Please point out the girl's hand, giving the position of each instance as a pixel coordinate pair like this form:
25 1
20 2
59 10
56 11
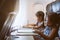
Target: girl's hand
37 31
34 27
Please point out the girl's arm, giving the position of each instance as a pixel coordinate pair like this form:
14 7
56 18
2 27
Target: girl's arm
50 36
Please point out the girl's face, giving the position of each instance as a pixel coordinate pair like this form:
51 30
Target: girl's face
46 20
39 18
49 22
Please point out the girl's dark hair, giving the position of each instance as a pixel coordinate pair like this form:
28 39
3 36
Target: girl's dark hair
59 18
40 13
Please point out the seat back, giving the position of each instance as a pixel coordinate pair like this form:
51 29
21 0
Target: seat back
7 27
